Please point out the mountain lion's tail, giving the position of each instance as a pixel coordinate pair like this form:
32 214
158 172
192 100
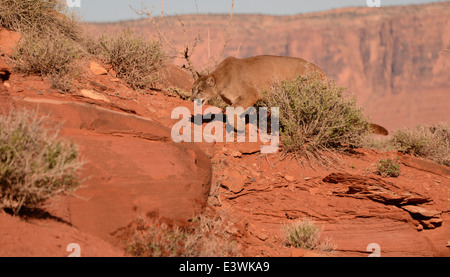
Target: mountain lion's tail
377 129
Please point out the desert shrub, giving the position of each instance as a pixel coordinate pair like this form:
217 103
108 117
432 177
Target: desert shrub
307 235
204 237
46 16
34 163
49 38
134 58
156 241
315 115
49 55
430 142
388 168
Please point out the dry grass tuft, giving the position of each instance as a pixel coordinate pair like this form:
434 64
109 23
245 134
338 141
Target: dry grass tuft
204 237
307 235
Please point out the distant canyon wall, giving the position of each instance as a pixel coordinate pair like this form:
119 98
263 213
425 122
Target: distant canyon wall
390 58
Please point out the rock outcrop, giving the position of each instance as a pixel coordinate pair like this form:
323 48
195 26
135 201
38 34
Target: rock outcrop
132 168
386 192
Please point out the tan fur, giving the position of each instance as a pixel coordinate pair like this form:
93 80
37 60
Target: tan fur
240 81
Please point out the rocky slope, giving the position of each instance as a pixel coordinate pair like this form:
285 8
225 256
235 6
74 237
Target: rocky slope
390 58
133 172
133 169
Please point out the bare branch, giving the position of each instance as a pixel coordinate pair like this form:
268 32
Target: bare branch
213 61
188 47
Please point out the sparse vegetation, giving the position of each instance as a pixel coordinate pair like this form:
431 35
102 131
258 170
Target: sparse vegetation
49 44
45 16
49 55
388 168
315 115
135 59
430 142
204 237
427 141
34 163
307 235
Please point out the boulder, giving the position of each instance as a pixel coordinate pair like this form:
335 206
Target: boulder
133 168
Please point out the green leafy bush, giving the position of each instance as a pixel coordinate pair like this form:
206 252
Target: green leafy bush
34 163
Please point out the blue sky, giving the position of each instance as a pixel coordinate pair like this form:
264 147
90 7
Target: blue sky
116 10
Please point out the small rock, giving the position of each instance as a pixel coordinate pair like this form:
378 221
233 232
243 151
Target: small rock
234 181
421 211
448 243
307 178
39 92
113 73
94 95
250 148
259 233
237 154
289 178
7 84
431 223
419 227
97 69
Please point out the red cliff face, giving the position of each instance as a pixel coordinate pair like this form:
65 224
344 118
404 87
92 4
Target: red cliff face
390 58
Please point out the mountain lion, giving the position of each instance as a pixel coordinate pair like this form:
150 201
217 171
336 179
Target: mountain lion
240 81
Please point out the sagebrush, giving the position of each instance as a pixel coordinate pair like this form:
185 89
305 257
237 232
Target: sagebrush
427 141
35 163
316 115
44 16
134 58
49 55
50 35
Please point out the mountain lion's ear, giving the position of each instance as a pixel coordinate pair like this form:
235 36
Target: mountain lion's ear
196 75
210 81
